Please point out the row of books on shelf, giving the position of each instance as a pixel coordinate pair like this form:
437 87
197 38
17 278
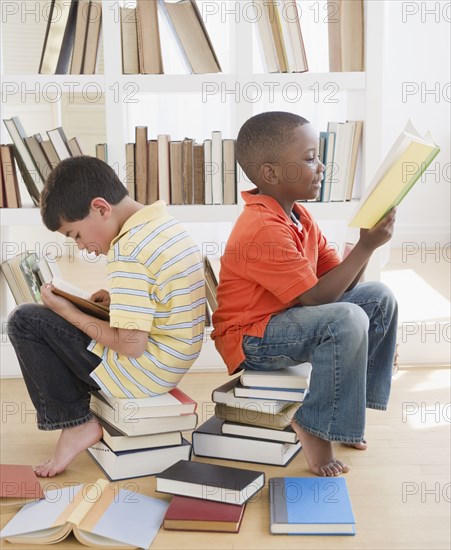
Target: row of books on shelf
72 38
73 32
182 171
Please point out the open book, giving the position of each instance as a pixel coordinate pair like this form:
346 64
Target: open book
80 298
404 164
99 514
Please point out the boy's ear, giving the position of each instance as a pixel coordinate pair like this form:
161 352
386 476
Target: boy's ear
268 174
102 207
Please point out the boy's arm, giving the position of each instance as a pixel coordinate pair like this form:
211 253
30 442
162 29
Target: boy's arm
131 343
345 275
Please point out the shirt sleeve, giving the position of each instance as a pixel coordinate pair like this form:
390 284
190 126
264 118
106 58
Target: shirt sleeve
132 295
273 261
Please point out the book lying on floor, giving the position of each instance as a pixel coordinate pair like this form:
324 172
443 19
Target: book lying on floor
225 395
310 506
296 377
169 404
139 462
18 486
80 298
195 514
209 441
286 435
277 421
141 426
210 482
403 166
99 514
117 441
253 392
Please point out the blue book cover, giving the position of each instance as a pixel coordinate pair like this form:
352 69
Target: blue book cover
310 506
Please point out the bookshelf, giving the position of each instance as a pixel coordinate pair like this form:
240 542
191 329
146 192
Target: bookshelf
124 98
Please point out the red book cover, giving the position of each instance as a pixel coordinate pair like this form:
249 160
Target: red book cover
18 486
203 515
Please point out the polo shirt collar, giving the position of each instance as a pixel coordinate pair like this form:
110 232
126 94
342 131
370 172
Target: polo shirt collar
143 215
254 197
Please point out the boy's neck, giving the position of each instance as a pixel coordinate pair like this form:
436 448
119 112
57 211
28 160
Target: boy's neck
125 209
286 205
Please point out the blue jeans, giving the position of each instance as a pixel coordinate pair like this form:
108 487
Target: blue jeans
55 365
350 344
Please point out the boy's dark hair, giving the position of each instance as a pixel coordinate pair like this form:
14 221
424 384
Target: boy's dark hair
71 186
263 137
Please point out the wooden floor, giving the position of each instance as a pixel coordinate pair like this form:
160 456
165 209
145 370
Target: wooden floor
399 488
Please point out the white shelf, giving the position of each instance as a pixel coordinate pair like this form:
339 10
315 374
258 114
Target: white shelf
62 82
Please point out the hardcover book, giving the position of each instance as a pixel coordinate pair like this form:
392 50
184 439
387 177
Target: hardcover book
99 514
139 462
310 506
80 298
225 395
210 482
19 485
296 377
403 166
195 514
169 404
209 441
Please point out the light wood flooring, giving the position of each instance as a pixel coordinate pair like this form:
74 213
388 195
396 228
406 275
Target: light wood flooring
399 488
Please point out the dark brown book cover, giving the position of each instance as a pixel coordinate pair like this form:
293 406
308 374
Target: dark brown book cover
199 173
195 514
188 182
87 306
212 475
12 194
152 171
141 164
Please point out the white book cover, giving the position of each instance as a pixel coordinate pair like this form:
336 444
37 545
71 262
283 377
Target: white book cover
164 171
208 172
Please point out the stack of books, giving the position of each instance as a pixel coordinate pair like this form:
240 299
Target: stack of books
141 43
142 436
251 422
207 497
181 172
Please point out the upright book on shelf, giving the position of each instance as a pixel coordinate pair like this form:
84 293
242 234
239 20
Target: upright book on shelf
148 31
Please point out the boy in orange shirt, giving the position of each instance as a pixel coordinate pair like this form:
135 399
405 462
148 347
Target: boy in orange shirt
285 297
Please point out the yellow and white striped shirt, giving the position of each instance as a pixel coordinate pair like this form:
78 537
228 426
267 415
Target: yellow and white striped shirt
156 285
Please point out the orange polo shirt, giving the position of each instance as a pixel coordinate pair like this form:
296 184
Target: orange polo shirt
268 262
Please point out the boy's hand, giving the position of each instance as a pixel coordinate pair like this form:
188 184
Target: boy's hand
58 304
102 297
381 233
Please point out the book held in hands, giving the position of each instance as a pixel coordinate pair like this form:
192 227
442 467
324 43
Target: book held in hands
403 166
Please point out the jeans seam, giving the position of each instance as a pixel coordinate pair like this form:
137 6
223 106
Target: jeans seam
65 423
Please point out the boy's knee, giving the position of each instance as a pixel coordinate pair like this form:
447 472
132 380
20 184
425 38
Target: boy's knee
20 316
353 319
384 295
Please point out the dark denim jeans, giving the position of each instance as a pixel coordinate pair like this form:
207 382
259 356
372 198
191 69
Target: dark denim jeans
55 365
350 344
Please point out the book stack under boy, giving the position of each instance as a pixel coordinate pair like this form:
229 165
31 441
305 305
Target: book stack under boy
252 417
207 497
142 436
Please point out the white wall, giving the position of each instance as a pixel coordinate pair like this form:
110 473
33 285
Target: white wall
418 61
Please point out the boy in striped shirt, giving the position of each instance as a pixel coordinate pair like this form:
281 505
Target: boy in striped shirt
156 301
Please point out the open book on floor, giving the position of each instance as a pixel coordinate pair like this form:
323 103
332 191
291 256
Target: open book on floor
99 514
403 166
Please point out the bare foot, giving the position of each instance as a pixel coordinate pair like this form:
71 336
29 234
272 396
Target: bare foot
361 445
71 443
318 453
